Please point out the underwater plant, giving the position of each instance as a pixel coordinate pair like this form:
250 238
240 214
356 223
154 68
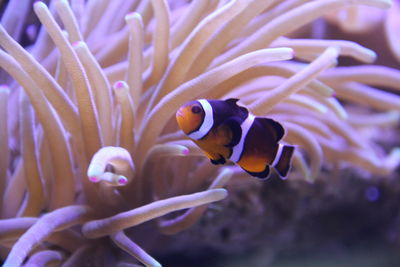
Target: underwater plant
93 153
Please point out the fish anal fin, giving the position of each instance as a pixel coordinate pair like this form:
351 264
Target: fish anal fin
234 125
215 159
274 126
261 175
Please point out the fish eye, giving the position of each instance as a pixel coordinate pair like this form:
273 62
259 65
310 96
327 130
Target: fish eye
196 109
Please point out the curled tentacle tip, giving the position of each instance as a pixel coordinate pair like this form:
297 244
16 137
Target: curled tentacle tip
287 52
122 180
94 171
223 193
39 3
133 15
94 179
185 151
112 166
78 44
371 54
120 85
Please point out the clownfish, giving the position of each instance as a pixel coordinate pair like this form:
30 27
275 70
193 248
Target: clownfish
224 130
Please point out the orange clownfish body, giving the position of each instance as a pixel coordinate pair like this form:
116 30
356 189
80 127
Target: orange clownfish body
225 130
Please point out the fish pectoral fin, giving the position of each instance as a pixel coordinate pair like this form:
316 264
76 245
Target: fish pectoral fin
273 127
215 159
234 125
221 160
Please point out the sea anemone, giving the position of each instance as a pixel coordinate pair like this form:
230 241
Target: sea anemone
87 117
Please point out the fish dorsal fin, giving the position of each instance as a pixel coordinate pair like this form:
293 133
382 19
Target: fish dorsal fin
272 126
232 101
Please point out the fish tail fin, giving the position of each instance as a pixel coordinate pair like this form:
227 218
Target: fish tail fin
284 158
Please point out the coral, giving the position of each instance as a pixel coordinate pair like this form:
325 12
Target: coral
95 155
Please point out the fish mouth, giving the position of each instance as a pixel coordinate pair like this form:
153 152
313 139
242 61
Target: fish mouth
180 118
